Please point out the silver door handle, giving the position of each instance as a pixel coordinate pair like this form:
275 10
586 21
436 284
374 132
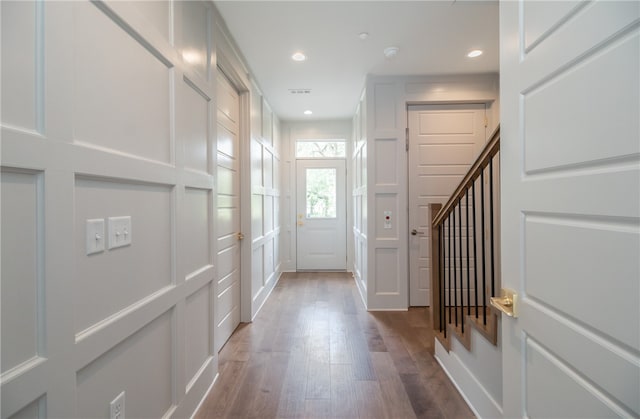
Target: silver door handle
416 232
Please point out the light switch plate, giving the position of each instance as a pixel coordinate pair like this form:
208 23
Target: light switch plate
95 237
116 407
120 233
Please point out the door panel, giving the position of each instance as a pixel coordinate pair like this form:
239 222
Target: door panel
228 212
571 208
443 142
321 215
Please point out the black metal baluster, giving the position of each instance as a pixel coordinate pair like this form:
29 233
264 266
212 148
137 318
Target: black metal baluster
475 246
493 276
460 256
441 275
449 260
455 268
468 239
484 276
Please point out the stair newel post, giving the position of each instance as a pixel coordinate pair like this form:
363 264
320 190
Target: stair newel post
436 271
491 226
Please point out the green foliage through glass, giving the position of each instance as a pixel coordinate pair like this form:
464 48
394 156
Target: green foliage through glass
321 149
321 193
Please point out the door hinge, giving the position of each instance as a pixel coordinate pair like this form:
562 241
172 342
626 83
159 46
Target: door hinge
486 122
406 138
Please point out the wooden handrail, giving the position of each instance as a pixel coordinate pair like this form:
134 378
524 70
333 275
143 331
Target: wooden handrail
452 316
490 150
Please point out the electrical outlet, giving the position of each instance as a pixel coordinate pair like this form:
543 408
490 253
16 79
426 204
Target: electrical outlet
117 407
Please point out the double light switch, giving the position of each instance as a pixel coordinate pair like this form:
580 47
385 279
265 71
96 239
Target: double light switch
119 233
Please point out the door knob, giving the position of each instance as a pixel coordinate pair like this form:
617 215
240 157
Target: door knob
240 236
415 232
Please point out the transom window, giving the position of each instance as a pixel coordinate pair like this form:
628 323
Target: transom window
321 149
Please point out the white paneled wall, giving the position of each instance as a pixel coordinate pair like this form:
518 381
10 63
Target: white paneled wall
359 169
384 121
114 115
265 153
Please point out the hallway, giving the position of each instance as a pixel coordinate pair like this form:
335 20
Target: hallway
313 351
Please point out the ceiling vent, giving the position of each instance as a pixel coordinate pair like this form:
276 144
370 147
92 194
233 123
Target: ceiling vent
299 91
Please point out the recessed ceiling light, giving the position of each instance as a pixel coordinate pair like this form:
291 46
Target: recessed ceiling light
475 53
298 56
363 35
391 52
308 112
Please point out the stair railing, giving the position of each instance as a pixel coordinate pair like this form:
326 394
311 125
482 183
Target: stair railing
465 252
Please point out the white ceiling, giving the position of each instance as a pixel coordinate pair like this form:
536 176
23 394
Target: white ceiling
433 36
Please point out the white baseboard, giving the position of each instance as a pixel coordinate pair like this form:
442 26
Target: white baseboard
387 309
268 293
206 393
362 291
481 403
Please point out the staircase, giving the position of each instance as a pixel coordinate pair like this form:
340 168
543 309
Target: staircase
465 253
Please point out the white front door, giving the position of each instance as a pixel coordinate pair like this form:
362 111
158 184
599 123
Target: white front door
228 212
321 215
570 159
444 140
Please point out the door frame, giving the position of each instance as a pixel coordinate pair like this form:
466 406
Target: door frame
408 106
242 85
320 131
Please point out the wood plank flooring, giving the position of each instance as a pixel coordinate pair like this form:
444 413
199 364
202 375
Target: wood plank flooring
314 352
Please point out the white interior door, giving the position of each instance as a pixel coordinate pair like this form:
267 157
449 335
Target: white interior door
570 147
444 140
321 215
228 212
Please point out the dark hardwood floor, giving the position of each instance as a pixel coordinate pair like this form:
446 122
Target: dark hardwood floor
314 352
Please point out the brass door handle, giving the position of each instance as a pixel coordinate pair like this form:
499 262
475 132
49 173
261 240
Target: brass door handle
507 303
240 236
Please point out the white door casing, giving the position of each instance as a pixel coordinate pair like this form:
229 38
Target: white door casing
321 241
444 140
570 148
228 211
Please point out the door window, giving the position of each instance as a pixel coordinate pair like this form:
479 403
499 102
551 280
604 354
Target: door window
321 193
